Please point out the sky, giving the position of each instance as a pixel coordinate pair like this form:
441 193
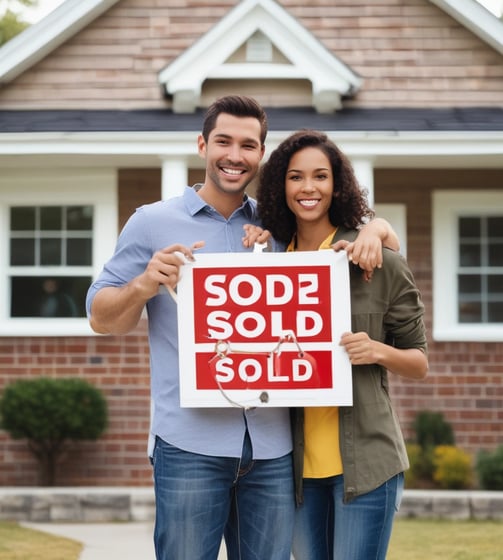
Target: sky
46 6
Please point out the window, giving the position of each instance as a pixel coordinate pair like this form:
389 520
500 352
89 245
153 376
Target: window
59 229
480 272
468 265
55 236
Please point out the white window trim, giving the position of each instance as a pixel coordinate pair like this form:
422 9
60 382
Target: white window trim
97 188
396 215
447 207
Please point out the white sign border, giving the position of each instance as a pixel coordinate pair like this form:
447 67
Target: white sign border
340 395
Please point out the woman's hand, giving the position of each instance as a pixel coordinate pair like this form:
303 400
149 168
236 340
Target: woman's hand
255 234
359 347
366 250
407 362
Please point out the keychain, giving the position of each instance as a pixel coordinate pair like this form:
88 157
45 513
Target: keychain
223 349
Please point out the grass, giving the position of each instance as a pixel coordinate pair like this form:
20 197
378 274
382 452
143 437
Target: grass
18 543
420 539
412 539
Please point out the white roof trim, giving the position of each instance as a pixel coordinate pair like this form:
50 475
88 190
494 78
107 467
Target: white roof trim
330 78
476 18
355 143
39 40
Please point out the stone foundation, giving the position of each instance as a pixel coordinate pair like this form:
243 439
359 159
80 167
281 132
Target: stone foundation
137 504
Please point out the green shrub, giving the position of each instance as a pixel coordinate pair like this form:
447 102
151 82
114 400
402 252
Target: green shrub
432 429
489 467
452 467
432 465
420 473
414 453
50 413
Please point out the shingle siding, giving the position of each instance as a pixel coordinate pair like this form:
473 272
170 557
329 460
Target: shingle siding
409 54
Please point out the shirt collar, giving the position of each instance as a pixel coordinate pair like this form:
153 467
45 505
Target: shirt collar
195 203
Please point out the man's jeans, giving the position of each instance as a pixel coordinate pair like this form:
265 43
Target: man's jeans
199 498
328 529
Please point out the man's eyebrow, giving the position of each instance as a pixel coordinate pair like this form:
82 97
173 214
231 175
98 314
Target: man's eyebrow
229 137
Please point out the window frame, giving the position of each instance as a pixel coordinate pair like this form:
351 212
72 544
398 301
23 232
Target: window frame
396 215
447 207
69 187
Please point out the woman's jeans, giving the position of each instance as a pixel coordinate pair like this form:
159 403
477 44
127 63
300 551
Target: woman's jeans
201 498
328 529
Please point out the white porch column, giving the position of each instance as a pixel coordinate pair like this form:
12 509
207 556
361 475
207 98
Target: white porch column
364 171
175 176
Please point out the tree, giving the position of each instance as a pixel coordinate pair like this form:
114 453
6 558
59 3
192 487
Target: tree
11 24
51 413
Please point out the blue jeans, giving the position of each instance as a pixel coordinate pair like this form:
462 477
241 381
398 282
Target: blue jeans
328 529
200 499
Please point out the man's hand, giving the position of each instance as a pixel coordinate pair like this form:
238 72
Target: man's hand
164 269
117 310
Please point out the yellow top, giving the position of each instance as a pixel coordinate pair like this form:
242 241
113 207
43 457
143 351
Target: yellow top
322 457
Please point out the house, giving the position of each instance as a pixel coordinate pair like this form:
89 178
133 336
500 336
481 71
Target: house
100 106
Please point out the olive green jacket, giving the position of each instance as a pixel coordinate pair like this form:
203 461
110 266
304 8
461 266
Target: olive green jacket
390 310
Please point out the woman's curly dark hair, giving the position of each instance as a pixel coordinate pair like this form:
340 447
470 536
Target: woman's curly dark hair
349 206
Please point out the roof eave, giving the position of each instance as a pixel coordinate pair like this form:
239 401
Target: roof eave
476 18
37 41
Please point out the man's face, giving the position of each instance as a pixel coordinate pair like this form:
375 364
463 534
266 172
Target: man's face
233 153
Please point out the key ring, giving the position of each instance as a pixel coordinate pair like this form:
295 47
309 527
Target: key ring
223 348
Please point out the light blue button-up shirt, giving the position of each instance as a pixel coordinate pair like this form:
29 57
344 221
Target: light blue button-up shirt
209 431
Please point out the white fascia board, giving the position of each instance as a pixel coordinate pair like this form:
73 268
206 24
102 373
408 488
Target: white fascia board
325 71
37 41
208 55
99 143
197 58
368 144
306 51
476 18
189 71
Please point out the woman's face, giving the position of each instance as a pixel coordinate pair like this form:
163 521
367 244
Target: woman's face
309 185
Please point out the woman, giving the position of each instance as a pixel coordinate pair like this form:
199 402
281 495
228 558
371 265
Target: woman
349 460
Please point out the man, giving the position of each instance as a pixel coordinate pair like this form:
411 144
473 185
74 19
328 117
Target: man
216 471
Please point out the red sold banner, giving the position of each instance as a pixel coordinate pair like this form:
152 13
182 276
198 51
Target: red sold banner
263 329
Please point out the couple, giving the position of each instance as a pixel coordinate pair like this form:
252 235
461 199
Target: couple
230 472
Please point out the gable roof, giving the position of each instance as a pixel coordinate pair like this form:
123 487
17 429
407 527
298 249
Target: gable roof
330 78
37 41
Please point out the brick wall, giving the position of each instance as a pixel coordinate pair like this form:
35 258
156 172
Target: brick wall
119 366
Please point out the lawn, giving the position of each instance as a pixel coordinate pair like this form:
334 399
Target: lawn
421 539
18 543
413 539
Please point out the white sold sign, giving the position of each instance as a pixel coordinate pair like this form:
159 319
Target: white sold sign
263 329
